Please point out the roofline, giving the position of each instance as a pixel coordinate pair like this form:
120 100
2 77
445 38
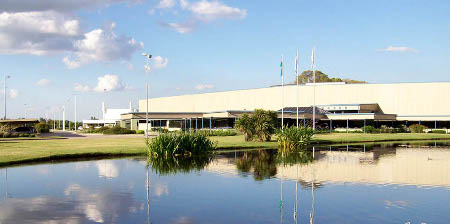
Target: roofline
235 90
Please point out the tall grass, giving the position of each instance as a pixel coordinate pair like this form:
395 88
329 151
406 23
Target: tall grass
218 132
294 138
171 165
180 144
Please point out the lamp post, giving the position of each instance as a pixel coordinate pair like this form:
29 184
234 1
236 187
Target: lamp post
75 102
147 71
4 91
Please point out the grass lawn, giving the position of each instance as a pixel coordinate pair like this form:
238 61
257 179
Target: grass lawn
20 151
23 151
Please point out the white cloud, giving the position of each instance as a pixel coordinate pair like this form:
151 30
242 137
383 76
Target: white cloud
204 12
185 27
59 5
102 45
37 33
211 10
204 86
81 87
43 82
399 49
13 93
160 62
110 83
166 4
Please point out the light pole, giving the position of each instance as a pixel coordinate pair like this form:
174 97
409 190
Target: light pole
4 91
147 70
75 102
104 107
25 105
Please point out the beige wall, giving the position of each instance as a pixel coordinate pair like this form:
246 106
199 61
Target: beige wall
401 99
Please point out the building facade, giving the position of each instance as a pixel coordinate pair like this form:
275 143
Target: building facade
344 105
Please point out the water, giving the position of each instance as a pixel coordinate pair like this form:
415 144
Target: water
378 184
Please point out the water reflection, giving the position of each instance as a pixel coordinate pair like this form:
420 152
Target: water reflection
341 184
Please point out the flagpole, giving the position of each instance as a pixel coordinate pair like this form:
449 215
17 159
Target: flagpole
282 94
314 90
296 77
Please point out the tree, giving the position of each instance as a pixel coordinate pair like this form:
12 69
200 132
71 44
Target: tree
261 124
245 124
308 77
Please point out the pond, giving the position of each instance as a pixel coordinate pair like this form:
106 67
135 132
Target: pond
390 183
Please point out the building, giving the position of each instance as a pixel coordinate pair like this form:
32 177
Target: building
339 105
110 117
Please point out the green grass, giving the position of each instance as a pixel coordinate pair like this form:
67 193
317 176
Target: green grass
230 142
21 151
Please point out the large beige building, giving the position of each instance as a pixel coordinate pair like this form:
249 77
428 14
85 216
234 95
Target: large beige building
340 105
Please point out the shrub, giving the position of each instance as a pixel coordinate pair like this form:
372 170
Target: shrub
1 134
161 130
371 129
261 124
7 135
25 135
32 135
141 132
403 128
218 132
42 127
15 135
180 143
417 128
293 138
118 131
101 129
438 132
21 135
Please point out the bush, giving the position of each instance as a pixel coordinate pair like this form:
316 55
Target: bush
261 124
371 129
180 143
32 135
7 135
218 132
1 134
21 135
118 131
42 127
141 132
438 132
293 138
15 135
417 128
161 130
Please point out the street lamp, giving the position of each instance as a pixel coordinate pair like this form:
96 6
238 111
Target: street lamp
147 70
4 91
75 102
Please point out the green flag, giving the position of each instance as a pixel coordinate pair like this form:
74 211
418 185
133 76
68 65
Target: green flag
281 66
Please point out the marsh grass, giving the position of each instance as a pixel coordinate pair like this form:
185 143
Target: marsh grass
180 144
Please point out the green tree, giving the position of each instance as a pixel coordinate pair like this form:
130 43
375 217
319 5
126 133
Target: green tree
308 77
245 125
265 123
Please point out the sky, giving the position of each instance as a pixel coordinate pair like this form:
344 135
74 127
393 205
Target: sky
54 50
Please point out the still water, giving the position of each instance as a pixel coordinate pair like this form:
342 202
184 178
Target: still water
346 184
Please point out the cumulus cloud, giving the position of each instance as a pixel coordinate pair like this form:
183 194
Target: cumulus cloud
109 83
43 82
160 62
13 93
205 12
37 33
102 45
166 4
50 27
59 5
204 86
81 87
399 49
211 10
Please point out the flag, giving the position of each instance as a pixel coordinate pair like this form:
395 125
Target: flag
281 66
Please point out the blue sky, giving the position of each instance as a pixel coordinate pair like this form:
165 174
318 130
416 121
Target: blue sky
54 50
